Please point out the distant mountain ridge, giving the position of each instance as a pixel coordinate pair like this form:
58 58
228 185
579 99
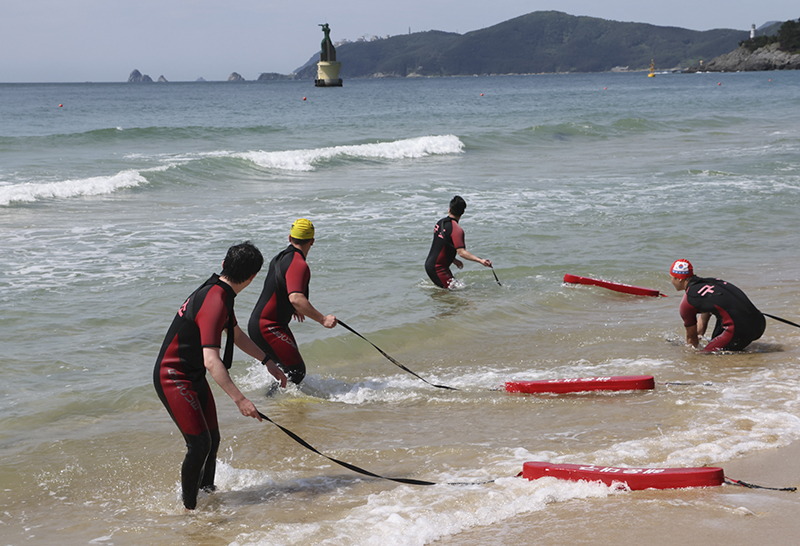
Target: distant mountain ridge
539 42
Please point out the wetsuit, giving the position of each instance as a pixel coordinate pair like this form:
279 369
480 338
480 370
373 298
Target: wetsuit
269 321
180 379
448 237
738 322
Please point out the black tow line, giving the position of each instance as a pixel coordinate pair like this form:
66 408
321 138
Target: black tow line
740 483
495 276
782 320
396 363
354 468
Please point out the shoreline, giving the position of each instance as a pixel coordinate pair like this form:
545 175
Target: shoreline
729 514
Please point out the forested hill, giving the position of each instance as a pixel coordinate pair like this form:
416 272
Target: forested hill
540 42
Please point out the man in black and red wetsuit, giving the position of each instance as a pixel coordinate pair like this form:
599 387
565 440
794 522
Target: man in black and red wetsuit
191 347
285 294
738 322
448 240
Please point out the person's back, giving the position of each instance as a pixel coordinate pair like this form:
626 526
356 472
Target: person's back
287 272
736 315
443 251
448 240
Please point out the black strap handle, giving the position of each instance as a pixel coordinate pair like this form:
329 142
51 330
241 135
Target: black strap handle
396 363
782 320
740 483
353 467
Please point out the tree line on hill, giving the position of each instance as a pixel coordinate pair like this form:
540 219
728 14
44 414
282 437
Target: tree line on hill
788 38
539 42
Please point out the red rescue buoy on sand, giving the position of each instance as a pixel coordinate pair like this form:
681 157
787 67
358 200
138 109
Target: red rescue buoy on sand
616 286
634 478
583 384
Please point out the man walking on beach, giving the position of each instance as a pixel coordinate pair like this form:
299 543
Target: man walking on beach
738 322
448 240
191 347
285 294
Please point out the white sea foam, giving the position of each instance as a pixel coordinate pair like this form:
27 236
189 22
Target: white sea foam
416 516
96 185
305 160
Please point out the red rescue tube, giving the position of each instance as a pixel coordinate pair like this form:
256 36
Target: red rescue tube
634 478
619 287
582 384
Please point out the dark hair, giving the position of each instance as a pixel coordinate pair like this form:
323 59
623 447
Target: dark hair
458 205
242 262
300 242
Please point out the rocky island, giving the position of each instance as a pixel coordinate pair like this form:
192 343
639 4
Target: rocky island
778 52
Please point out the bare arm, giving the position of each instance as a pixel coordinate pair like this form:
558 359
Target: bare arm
691 336
467 255
702 323
216 368
303 307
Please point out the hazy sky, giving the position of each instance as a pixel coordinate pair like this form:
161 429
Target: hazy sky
104 40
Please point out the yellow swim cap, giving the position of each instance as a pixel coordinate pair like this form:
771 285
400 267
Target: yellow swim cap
302 229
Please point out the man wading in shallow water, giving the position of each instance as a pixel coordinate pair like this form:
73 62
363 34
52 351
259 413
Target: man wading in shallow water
285 294
448 240
191 347
738 323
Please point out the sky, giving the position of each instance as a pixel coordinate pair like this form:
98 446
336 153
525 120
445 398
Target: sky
183 40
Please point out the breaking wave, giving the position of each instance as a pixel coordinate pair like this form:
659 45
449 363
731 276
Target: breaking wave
306 160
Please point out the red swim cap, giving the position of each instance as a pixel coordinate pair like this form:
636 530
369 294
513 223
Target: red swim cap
681 269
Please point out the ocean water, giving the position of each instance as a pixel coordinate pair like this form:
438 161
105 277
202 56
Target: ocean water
117 201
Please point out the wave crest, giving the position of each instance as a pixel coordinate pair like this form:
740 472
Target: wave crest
306 160
96 185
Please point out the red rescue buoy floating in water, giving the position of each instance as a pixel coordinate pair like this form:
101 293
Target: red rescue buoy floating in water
583 384
616 286
634 478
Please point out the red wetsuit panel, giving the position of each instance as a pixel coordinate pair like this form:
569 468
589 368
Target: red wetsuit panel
288 273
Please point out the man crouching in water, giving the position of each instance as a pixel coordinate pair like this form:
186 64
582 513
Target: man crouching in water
739 322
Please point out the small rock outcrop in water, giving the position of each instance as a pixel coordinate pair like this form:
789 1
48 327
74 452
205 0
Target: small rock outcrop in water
742 59
162 79
274 76
138 77
235 77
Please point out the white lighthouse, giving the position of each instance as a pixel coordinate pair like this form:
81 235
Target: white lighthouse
752 31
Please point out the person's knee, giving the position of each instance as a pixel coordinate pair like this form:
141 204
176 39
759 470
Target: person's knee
199 446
